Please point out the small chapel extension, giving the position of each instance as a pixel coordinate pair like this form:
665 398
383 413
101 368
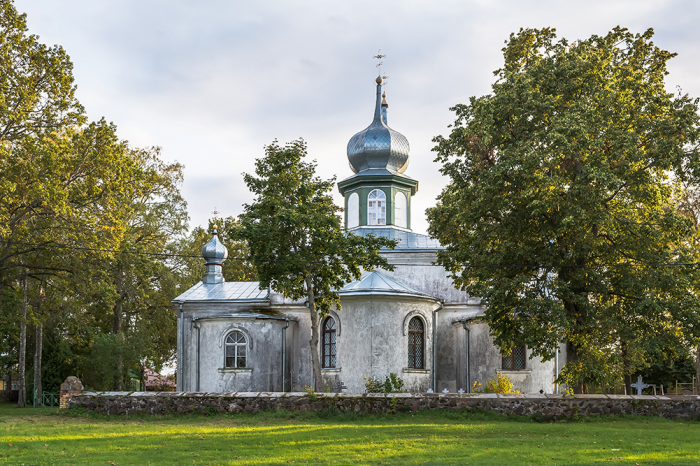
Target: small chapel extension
412 321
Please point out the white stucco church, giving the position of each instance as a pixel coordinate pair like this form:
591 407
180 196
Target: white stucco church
233 336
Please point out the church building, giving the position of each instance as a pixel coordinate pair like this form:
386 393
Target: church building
412 321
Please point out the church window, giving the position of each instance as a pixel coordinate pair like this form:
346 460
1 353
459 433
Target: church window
376 208
515 361
236 346
353 211
400 210
415 343
329 344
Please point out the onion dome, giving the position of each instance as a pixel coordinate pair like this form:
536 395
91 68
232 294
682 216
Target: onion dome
214 253
378 146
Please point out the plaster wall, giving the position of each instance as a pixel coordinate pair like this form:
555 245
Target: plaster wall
264 350
419 273
374 341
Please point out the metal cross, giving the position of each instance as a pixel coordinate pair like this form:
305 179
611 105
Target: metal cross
216 212
639 385
339 387
379 57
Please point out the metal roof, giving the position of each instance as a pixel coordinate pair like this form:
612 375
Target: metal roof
226 291
376 283
406 239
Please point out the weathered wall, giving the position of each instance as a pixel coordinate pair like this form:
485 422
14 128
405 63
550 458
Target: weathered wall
550 406
374 341
264 351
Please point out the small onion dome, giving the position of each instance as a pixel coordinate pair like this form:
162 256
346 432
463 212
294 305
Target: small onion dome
214 252
378 146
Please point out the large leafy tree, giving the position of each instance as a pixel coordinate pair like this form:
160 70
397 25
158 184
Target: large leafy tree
560 211
295 238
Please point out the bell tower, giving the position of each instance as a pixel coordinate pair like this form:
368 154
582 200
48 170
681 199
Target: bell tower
378 194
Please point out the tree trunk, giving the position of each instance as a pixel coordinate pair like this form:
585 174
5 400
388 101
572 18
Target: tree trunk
119 364
313 343
626 369
22 396
572 358
37 362
697 371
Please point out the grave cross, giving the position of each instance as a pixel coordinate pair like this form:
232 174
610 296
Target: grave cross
339 387
639 385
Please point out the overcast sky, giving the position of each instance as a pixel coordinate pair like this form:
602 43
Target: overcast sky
212 82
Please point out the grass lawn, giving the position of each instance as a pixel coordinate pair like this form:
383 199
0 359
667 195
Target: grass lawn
48 437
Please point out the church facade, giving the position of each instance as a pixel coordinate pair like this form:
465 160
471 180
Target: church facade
412 321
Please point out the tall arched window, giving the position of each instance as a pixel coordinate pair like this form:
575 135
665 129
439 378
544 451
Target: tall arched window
329 345
416 343
376 208
353 211
400 210
236 346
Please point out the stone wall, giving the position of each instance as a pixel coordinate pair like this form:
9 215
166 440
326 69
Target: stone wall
548 406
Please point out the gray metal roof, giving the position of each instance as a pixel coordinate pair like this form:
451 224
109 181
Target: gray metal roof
406 239
226 291
376 283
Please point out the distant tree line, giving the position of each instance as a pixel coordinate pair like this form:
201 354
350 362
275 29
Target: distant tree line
94 237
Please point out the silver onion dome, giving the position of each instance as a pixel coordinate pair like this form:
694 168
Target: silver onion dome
214 251
378 146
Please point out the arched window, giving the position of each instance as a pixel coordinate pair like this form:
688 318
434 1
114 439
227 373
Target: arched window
400 210
353 211
376 208
329 345
515 361
416 344
236 346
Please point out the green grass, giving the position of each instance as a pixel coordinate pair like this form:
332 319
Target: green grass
52 438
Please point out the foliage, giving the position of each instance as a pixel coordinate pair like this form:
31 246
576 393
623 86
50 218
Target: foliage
667 369
101 366
295 239
562 202
499 384
392 384
235 268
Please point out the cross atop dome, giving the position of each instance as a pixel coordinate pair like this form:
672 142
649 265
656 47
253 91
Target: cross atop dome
378 194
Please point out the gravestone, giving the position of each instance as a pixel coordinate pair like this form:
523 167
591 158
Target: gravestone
640 385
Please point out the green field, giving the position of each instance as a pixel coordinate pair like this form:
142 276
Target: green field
48 437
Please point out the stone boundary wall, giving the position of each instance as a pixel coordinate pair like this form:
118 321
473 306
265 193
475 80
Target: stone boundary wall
548 406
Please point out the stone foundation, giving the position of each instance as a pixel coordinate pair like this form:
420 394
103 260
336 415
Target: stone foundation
548 406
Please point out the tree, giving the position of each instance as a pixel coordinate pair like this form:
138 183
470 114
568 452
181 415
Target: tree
293 230
560 211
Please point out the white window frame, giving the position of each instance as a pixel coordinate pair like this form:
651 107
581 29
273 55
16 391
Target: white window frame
236 346
376 207
353 211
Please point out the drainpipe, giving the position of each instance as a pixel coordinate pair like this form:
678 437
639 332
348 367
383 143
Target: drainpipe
435 346
181 353
464 325
195 325
284 355
556 370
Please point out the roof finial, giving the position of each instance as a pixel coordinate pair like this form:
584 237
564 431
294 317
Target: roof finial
379 57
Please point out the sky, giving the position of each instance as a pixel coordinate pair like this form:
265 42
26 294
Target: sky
212 82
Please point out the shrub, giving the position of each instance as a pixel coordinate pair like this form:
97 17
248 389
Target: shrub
392 384
500 384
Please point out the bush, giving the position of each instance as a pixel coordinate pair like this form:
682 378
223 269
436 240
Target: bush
500 384
392 384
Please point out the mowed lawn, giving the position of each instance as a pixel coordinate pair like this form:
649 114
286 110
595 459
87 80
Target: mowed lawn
48 437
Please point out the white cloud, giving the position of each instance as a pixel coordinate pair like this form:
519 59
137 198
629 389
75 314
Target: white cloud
213 81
